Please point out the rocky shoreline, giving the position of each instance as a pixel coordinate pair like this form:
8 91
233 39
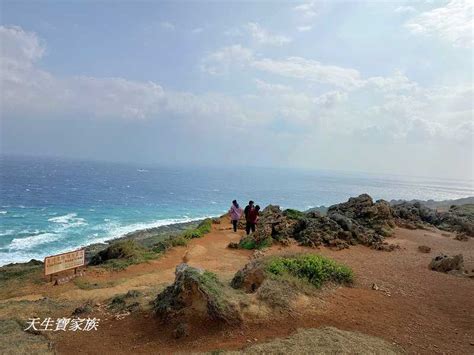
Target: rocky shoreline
145 237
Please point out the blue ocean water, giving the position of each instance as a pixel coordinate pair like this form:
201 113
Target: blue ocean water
51 205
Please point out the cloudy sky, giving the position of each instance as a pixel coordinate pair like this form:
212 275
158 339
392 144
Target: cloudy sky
379 87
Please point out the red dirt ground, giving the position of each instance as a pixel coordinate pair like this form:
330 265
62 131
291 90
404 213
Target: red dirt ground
421 310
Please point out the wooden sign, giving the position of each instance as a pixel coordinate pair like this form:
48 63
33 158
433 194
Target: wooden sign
65 261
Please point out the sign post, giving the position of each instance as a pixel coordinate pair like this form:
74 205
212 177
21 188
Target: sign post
66 261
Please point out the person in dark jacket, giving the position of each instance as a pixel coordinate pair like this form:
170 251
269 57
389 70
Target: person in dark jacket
251 216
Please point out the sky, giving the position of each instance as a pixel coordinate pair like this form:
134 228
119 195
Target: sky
377 87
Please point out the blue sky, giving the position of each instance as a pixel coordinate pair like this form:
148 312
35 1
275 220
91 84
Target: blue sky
380 87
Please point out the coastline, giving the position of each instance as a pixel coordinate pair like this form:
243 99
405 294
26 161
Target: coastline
146 237
149 236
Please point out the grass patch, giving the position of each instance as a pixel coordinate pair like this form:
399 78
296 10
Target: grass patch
203 228
21 342
121 254
87 285
247 243
183 238
180 241
293 214
315 269
251 243
276 293
20 271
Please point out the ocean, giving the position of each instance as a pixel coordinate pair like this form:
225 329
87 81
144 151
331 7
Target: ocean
49 205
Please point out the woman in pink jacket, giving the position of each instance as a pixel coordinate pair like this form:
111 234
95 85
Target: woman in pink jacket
235 214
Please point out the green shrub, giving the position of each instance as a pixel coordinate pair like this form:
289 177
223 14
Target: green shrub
121 254
21 271
293 214
203 228
179 241
247 243
316 269
123 249
162 246
251 243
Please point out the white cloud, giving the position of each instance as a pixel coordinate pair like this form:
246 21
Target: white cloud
263 36
453 23
375 109
310 70
197 30
167 26
220 61
405 9
307 10
330 99
304 28
19 48
272 88
28 91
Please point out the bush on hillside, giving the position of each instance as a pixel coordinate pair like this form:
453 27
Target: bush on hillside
315 269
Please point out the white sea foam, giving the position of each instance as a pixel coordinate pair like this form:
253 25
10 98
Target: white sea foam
21 249
32 241
18 256
63 219
69 220
7 232
3 212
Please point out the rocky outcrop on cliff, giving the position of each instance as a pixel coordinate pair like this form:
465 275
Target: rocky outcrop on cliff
195 294
314 230
364 221
360 220
273 223
458 219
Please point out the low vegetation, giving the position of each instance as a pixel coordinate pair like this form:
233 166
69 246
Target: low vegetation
250 243
21 342
183 238
203 228
278 280
293 214
123 253
20 271
315 269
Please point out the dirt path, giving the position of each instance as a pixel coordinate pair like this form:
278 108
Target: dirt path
421 310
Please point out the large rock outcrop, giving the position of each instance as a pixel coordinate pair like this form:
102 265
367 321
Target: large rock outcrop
195 294
364 221
274 223
314 230
445 263
458 219
250 277
360 220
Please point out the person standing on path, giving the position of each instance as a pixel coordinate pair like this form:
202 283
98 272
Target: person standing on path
235 214
251 215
